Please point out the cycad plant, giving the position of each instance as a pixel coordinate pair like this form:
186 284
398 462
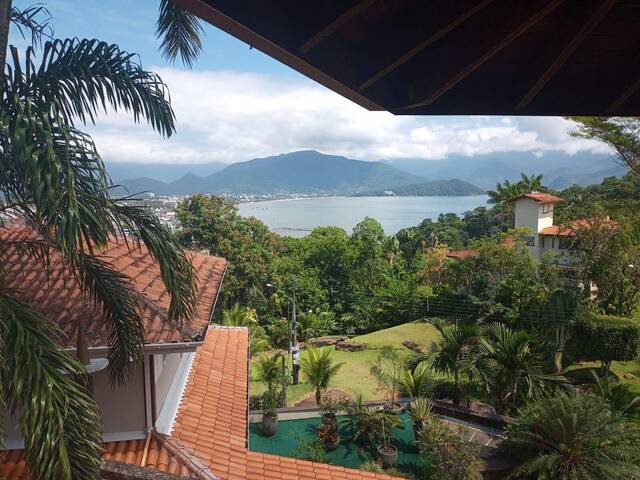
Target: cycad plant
514 366
53 180
417 383
574 436
319 369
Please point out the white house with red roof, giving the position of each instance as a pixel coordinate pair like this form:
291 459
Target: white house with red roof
534 213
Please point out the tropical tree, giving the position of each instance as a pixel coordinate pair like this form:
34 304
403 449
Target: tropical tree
53 180
315 324
509 190
572 435
239 316
622 134
268 370
319 369
448 356
387 370
513 365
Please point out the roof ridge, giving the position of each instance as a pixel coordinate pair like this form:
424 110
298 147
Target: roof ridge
193 463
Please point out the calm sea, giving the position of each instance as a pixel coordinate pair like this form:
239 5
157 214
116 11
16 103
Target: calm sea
297 217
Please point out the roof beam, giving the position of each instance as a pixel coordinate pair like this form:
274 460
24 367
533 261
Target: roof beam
593 21
628 93
422 45
492 52
334 26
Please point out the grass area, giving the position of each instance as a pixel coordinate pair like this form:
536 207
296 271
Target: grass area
354 377
287 443
620 368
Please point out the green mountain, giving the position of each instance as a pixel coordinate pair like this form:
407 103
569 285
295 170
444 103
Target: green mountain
424 189
298 172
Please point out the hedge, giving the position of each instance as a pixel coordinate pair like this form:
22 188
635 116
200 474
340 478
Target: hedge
604 338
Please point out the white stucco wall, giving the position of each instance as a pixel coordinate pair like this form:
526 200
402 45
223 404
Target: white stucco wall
122 409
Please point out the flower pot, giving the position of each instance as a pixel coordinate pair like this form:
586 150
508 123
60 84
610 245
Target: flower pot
269 425
329 419
388 455
332 446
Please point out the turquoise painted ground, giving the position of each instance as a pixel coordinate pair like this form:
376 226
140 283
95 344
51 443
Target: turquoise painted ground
286 441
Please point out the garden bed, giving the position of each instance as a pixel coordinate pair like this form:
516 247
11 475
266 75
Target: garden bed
348 454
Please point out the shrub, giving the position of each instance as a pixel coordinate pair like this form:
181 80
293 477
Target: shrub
605 338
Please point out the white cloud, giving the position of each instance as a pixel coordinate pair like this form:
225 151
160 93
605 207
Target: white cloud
232 116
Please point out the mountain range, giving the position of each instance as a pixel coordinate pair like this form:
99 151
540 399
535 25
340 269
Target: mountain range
560 170
309 171
306 171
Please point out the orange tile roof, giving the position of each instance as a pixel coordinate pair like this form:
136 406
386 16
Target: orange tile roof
540 197
212 418
56 294
462 253
573 228
160 457
209 436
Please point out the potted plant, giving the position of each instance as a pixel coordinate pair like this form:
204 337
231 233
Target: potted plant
330 409
328 434
269 413
387 452
421 411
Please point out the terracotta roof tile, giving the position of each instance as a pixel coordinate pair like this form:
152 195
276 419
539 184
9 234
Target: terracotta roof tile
572 229
540 197
160 457
58 296
212 418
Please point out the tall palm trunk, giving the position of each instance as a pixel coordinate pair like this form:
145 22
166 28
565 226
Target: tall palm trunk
318 396
5 21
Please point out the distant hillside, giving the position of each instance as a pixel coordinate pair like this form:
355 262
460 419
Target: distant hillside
165 172
560 170
298 172
435 188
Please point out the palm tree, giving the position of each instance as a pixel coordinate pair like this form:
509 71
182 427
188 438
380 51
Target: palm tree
268 370
178 31
448 355
53 180
572 436
318 368
238 316
530 183
513 365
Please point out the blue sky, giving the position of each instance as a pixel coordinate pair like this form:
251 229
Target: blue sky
237 103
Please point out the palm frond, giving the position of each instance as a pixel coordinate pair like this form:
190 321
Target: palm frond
76 79
34 19
114 295
179 33
63 434
176 269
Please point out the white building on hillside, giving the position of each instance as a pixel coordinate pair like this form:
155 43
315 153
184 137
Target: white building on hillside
534 212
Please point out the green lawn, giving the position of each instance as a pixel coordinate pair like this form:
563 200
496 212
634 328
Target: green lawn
354 377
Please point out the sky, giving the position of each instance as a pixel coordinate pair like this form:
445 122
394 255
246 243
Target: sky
238 103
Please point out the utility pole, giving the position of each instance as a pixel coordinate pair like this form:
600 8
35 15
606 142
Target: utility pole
295 354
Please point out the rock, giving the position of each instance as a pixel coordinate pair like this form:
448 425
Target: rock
328 341
411 345
629 376
350 346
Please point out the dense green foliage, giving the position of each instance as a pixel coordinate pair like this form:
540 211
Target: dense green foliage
605 339
573 436
437 187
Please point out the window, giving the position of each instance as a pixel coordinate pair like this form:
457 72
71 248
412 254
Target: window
529 240
544 241
546 207
563 243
